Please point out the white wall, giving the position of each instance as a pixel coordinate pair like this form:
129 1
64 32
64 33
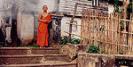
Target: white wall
5 5
52 4
25 27
25 24
65 26
68 6
110 9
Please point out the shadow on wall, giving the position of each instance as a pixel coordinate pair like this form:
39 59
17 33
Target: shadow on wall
14 36
15 41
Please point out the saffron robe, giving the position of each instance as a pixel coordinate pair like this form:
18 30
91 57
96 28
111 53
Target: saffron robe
42 36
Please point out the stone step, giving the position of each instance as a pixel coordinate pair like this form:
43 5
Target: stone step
45 64
20 59
59 57
7 58
27 50
49 50
54 62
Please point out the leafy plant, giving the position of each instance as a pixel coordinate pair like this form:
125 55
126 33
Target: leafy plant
75 41
130 6
93 49
64 40
34 46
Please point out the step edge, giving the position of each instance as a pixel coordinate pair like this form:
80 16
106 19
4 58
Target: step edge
27 48
31 55
37 64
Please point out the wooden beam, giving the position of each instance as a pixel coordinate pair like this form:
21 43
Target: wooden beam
72 19
73 24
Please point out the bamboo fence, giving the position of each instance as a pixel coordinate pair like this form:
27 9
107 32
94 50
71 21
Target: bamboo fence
105 31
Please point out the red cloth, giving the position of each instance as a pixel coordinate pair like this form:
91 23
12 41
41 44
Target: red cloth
42 36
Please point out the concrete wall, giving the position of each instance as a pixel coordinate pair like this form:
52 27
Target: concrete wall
95 60
68 6
110 9
25 27
5 6
65 27
52 4
27 23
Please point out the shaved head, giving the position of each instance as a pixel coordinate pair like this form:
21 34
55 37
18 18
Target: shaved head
45 8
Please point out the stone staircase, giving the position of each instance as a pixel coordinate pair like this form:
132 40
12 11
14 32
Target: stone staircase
33 57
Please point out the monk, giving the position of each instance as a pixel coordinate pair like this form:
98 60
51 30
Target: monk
44 19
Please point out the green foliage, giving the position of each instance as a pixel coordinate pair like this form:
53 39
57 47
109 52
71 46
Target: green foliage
121 51
75 41
130 6
93 49
116 5
64 40
130 9
34 46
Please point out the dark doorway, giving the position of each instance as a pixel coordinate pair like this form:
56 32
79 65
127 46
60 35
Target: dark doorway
15 41
14 37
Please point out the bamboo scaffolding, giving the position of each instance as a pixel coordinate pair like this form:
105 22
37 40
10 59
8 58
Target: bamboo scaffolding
105 30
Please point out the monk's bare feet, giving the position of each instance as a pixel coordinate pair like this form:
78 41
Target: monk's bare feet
40 47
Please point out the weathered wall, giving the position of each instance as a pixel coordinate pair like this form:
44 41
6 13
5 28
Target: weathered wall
25 27
52 4
67 6
27 23
95 60
110 9
65 26
27 18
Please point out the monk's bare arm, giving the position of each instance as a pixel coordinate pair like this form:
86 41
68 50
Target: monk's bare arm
41 20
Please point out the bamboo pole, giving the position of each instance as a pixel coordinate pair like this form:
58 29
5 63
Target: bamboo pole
72 19
130 36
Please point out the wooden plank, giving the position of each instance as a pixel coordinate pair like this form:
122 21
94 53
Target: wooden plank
74 24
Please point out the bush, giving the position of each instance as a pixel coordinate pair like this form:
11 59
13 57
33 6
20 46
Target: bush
75 41
34 46
93 49
64 40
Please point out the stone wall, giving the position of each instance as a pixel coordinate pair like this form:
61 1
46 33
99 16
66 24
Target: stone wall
95 60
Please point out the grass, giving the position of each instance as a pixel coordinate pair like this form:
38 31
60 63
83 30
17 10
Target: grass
34 46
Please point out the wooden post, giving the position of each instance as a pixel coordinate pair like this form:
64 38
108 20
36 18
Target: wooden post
72 19
130 30
124 36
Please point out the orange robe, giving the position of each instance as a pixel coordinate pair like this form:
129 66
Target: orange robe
42 36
